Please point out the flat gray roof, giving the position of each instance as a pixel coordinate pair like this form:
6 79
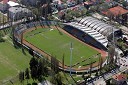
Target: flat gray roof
18 9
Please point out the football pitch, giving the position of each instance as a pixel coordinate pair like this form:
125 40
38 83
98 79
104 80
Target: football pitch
58 44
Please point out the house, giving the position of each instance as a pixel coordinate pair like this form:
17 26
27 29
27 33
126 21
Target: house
71 3
119 79
16 13
61 5
3 6
117 13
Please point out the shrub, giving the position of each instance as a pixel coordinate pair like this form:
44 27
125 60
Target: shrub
1 39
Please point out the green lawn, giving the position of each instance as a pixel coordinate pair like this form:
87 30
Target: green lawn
11 61
58 44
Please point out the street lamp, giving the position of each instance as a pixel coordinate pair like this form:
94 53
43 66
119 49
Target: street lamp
113 37
13 19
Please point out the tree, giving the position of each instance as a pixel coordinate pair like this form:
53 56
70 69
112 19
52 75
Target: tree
108 82
27 76
63 62
33 67
77 1
110 15
21 76
111 53
34 73
57 79
1 39
40 71
125 3
33 63
55 64
42 67
100 63
90 72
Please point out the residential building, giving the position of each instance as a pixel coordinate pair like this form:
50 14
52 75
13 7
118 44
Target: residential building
117 13
3 6
16 13
119 79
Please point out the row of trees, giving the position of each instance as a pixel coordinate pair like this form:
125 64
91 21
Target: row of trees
41 68
42 9
36 71
109 65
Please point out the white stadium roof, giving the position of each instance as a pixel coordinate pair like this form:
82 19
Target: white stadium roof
97 25
11 3
96 35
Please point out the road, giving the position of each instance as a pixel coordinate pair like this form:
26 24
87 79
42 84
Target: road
123 66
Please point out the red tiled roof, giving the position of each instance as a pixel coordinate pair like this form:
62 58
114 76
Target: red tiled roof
118 10
5 1
88 2
108 0
120 77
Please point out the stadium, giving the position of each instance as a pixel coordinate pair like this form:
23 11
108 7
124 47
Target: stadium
47 39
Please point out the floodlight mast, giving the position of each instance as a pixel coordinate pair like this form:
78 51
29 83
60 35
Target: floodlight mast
113 37
71 48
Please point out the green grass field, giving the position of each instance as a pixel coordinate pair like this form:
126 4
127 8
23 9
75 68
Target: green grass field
11 61
58 44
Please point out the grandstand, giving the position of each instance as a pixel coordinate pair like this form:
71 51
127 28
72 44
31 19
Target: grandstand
92 31
98 25
22 27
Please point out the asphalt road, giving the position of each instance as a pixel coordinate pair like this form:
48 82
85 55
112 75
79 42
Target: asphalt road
123 66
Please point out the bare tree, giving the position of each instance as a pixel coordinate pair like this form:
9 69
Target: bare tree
111 53
63 62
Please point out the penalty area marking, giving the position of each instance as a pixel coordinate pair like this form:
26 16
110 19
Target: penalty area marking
44 36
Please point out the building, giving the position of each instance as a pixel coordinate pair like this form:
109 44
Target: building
119 79
92 31
117 13
35 2
12 4
71 3
16 13
3 6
